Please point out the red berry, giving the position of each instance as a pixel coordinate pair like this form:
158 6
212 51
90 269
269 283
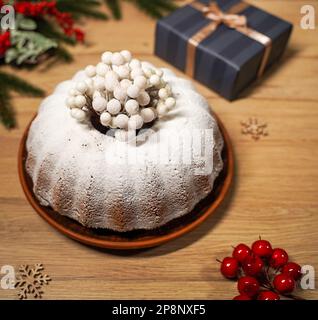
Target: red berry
279 258
248 286
293 269
284 283
241 251
229 267
268 295
242 297
262 248
252 265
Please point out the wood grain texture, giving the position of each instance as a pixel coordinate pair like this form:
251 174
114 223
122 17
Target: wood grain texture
274 193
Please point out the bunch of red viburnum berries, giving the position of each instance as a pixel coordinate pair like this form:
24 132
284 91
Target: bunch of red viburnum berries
263 273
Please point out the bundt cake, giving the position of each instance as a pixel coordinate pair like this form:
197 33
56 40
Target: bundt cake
123 146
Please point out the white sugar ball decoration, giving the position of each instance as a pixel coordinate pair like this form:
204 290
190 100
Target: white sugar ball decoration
78 114
111 80
124 92
117 59
101 69
80 101
168 88
147 72
99 83
140 81
111 84
90 86
162 109
163 94
111 75
148 114
113 106
123 72
159 72
73 92
105 119
170 103
135 63
107 57
154 80
127 55
132 107
133 91
99 104
89 82
135 122
154 102
90 71
121 121
143 99
162 84
136 73
96 94
70 102
81 87
145 64
125 83
112 123
120 93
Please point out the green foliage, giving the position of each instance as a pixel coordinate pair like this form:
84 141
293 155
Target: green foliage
9 82
25 23
61 53
12 82
81 8
114 7
27 47
155 8
7 116
49 30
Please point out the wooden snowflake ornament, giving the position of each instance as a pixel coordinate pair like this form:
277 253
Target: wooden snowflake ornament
30 281
253 128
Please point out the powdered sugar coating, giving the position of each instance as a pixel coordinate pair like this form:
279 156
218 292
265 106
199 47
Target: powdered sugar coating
83 174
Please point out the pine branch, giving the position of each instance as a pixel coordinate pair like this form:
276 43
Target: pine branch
7 115
166 5
82 2
155 8
81 8
50 31
148 8
12 82
114 7
81 11
61 53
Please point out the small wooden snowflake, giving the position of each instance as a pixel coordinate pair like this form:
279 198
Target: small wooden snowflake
253 128
30 281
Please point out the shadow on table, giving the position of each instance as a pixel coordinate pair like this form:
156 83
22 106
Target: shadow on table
290 53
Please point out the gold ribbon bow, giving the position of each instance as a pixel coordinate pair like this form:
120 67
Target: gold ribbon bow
213 12
232 19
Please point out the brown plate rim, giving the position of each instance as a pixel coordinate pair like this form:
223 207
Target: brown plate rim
130 243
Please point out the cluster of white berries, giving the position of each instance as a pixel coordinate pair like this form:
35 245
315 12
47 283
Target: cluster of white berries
125 93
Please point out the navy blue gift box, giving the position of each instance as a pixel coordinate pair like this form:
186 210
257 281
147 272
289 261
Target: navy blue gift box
226 59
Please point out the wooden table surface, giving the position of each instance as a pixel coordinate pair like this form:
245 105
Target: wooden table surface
275 192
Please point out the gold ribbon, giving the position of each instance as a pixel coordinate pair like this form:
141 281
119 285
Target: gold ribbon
233 20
